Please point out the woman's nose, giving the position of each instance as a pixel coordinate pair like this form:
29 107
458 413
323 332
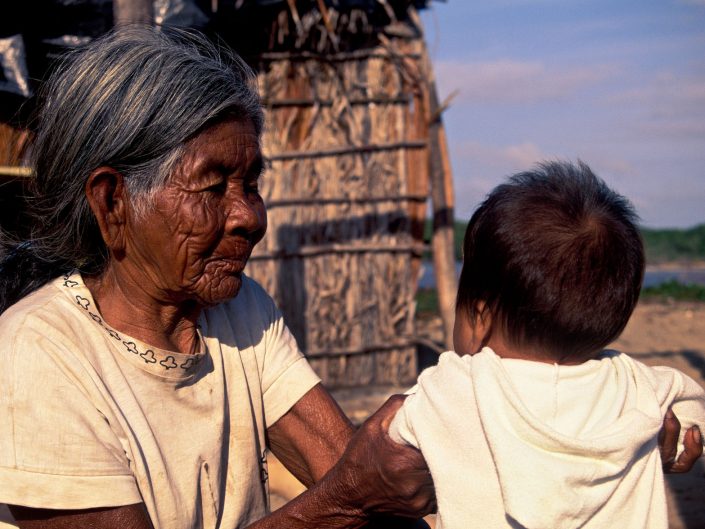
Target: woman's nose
247 216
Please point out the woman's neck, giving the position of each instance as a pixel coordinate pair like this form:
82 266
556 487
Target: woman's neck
129 306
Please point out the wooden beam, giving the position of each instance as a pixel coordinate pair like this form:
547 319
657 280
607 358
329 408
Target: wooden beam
127 12
339 248
323 201
14 172
354 149
368 349
307 102
335 57
442 201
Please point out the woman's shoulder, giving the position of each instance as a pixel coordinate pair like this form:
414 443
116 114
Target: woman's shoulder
252 290
251 300
252 311
46 315
45 303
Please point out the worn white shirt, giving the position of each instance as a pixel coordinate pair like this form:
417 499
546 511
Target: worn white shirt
513 443
90 417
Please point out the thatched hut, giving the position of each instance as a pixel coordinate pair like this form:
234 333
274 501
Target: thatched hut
355 149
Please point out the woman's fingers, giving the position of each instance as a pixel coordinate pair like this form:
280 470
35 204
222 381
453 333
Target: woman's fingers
693 449
668 445
382 418
668 438
389 478
408 471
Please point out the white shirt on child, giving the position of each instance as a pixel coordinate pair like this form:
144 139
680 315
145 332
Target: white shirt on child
514 443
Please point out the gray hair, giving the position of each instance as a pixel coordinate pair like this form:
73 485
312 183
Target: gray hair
129 100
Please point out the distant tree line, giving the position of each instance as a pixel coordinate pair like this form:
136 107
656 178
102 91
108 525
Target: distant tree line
674 245
661 245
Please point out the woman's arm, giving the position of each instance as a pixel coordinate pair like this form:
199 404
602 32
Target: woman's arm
311 437
129 516
375 475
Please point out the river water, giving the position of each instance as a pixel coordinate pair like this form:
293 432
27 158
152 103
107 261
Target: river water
652 277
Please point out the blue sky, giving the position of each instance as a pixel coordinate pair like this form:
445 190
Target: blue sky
619 84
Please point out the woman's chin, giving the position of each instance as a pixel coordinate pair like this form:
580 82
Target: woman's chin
218 290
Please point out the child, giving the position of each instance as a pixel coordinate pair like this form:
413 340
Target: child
529 423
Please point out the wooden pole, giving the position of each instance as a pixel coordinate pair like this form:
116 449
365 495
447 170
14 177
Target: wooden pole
15 172
133 12
443 202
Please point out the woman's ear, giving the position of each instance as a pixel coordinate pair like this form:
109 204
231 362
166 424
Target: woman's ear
106 194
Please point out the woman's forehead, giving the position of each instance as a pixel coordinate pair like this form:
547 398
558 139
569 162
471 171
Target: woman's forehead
230 133
231 144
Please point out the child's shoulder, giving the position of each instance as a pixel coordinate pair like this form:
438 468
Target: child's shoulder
449 364
453 359
668 382
454 370
450 374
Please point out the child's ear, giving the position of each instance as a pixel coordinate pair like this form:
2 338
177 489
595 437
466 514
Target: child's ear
472 333
483 324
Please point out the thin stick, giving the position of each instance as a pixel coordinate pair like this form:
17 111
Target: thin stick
300 155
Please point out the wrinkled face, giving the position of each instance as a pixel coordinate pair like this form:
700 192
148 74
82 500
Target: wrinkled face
195 241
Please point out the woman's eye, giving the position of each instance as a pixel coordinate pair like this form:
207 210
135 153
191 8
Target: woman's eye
252 186
218 188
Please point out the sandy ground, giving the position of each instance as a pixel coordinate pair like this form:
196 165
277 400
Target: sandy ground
670 334
659 334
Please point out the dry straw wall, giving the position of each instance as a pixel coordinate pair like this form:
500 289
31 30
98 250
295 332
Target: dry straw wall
346 139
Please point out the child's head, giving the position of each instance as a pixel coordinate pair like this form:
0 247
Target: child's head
555 259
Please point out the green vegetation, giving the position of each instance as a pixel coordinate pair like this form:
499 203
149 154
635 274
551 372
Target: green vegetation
427 298
458 235
674 245
673 290
426 301
662 246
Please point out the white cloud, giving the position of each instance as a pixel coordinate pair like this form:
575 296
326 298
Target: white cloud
665 87
509 157
616 169
523 155
680 207
479 167
498 162
669 107
510 81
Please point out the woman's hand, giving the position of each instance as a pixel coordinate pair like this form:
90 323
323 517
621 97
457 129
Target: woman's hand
668 445
374 477
380 476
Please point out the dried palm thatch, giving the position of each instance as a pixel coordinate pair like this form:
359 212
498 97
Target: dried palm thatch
348 145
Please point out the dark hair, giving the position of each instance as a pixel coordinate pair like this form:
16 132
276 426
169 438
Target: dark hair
556 258
129 100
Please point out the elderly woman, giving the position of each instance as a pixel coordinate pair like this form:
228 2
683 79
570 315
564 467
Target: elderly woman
144 376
